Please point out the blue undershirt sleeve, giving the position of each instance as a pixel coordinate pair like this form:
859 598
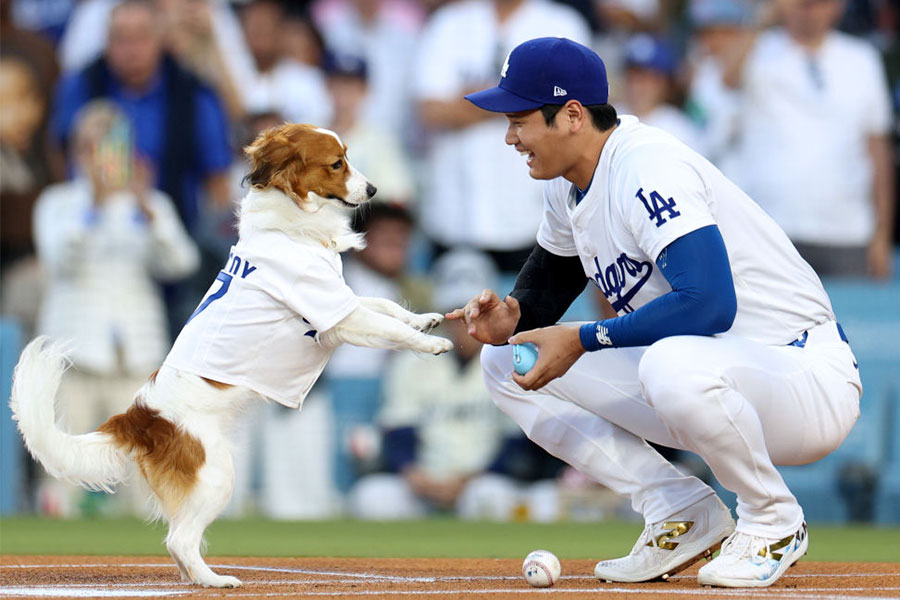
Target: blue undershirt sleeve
702 300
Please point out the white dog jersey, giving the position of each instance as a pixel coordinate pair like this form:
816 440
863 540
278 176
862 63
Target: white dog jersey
648 190
257 325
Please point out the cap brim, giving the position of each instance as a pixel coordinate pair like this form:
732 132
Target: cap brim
496 99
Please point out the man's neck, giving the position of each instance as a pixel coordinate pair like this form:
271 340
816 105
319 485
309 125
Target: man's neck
589 158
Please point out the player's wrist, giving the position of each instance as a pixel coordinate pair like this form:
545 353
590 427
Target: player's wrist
594 336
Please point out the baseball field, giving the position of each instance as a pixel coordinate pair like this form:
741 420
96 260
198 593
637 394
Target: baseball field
437 558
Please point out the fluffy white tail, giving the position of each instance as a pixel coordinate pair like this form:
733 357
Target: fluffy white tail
92 460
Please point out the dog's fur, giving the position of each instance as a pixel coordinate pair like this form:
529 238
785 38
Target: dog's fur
176 430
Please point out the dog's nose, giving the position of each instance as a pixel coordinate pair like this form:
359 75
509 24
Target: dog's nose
370 190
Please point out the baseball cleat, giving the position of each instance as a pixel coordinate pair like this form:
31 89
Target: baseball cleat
672 545
751 561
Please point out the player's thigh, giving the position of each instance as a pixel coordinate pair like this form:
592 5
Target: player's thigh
606 384
804 407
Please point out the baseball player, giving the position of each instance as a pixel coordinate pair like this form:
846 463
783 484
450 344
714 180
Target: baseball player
725 343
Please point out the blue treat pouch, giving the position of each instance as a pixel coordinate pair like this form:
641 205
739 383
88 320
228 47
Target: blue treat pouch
524 357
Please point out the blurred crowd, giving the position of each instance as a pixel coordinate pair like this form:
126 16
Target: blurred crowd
121 129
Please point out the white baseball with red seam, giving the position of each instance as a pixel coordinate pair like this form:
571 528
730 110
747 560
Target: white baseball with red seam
541 568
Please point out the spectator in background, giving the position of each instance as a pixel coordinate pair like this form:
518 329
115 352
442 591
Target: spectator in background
620 20
203 35
27 165
180 127
815 150
47 18
355 374
206 38
104 239
469 168
384 34
300 39
294 89
650 70
440 432
376 150
717 26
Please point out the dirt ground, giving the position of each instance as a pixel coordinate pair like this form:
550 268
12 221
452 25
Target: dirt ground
489 579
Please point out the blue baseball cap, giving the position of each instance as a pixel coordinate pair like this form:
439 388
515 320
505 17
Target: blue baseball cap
648 52
550 70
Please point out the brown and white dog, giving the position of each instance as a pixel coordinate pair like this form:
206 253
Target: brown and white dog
176 432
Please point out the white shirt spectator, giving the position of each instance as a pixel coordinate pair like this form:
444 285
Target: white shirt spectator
471 173
718 109
292 89
388 44
101 264
805 122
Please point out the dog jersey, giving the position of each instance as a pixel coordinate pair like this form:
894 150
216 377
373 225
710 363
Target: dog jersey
258 324
648 190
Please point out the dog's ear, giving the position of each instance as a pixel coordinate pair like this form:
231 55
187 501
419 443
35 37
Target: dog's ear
272 151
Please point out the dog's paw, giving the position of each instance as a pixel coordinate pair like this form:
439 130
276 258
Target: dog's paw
426 321
436 345
221 581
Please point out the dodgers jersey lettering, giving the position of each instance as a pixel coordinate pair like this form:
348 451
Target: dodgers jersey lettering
648 190
257 325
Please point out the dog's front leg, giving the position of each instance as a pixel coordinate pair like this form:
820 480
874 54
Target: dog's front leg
422 322
365 327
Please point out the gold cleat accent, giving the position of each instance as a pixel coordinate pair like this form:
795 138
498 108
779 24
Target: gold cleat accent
675 528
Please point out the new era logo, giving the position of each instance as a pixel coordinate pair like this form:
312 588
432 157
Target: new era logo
558 91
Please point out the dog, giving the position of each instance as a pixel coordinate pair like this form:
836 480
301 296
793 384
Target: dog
265 329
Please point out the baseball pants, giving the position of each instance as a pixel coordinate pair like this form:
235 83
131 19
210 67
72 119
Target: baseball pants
740 405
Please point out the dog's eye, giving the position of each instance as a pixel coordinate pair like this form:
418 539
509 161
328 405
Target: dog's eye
337 164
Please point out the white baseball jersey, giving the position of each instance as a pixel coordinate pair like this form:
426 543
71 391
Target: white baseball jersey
648 190
257 326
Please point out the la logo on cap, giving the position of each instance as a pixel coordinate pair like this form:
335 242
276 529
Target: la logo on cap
505 66
558 91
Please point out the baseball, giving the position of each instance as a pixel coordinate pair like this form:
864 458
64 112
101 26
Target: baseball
541 569
524 357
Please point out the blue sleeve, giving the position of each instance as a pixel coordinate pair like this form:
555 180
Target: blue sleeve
211 126
702 300
399 448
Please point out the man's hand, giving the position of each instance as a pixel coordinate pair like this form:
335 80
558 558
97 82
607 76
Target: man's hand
489 319
558 346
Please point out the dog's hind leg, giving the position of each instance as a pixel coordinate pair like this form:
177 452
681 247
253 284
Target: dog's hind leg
201 506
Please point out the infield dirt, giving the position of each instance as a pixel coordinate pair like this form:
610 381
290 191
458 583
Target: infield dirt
489 579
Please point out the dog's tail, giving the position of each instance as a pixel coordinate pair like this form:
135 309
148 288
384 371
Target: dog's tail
93 460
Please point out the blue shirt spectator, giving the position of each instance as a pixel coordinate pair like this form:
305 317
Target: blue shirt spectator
180 124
